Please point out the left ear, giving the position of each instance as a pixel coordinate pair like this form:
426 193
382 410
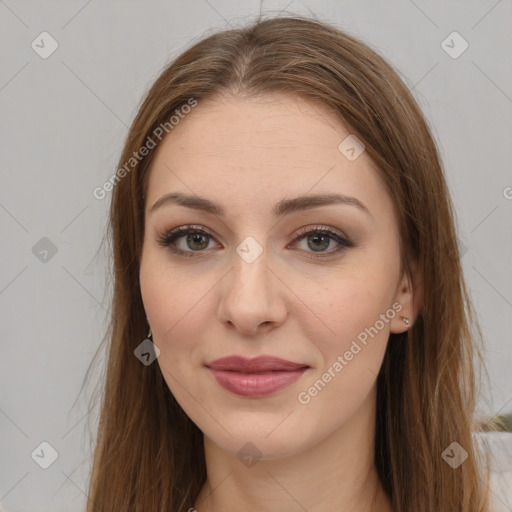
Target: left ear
409 294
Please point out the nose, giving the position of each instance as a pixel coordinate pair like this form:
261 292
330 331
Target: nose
253 298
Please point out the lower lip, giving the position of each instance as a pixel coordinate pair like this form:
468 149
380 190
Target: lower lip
256 384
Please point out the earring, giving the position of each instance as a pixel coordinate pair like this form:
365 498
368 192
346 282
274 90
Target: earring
406 321
149 335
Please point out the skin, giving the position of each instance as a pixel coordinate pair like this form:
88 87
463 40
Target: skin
247 155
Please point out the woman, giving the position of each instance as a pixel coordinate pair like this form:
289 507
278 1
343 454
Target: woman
282 226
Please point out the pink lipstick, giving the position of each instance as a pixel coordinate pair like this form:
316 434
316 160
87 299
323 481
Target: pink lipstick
256 377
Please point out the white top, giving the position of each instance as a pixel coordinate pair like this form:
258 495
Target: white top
499 445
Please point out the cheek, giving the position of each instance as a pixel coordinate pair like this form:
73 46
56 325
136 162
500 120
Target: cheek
345 308
172 301
177 304
168 294
351 348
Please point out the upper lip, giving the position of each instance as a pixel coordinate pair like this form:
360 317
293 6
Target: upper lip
257 364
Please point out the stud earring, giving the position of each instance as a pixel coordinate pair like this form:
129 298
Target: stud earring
406 321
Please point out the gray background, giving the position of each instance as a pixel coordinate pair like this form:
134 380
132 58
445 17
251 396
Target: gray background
64 119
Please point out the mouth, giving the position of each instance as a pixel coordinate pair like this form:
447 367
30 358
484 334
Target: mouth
258 377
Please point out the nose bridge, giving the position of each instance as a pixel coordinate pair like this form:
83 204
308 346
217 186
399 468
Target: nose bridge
250 272
249 297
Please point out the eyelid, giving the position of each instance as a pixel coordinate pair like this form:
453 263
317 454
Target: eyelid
320 227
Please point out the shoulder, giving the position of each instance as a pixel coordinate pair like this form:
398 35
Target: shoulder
499 447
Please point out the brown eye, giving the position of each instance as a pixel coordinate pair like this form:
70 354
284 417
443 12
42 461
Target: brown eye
196 240
320 238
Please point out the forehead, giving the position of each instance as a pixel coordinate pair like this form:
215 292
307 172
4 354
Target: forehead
259 150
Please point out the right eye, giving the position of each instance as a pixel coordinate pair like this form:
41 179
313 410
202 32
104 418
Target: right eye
196 238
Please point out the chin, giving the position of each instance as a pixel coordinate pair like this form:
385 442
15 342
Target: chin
259 440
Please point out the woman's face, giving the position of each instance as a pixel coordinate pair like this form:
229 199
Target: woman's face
308 281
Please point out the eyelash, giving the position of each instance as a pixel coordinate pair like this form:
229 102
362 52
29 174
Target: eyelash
167 239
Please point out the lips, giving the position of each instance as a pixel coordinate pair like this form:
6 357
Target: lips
258 364
258 377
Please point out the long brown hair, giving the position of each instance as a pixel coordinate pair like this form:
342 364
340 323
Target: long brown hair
149 455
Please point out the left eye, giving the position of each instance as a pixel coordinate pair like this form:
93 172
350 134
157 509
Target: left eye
197 240
318 241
